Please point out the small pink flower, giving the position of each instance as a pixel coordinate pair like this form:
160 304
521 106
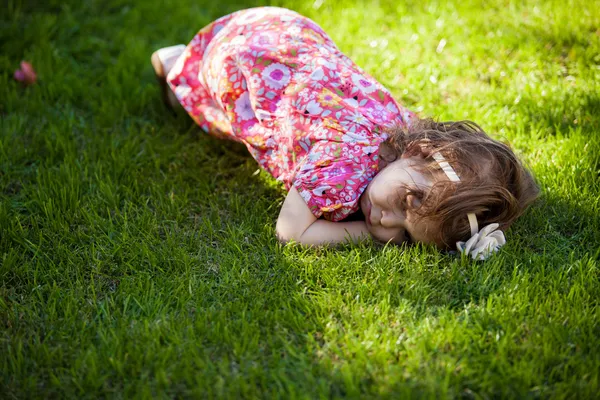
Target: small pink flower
26 74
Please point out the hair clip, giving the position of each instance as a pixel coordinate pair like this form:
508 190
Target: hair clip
483 243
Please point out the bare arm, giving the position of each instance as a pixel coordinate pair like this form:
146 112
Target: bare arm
297 222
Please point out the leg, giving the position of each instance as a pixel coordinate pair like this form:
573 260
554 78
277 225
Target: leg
187 82
162 61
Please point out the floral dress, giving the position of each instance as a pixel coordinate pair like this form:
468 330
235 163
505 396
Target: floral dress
273 80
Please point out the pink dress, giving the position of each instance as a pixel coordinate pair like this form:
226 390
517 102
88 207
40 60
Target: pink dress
273 80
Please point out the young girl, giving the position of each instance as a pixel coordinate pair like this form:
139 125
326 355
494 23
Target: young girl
273 80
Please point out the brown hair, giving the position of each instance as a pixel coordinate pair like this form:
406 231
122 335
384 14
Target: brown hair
494 184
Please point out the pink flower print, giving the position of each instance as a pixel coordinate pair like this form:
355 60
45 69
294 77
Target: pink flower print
294 30
327 98
303 95
360 172
346 89
313 108
198 43
326 63
319 190
256 54
351 102
304 58
276 76
287 17
363 84
243 107
216 29
305 194
351 137
305 144
319 131
301 78
264 40
292 41
376 111
349 126
333 74
255 139
242 59
182 91
318 75
391 107
314 156
313 36
370 149
250 16
358 118
238 40
255 81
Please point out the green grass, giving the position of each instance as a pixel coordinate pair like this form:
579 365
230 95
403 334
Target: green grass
138 255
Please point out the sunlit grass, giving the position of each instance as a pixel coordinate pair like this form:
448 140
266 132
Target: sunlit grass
138 255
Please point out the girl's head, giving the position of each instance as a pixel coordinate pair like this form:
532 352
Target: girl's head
412 199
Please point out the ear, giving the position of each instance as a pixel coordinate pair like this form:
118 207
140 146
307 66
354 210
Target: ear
413 202
386 155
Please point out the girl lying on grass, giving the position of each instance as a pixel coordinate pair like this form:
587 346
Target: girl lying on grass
274 81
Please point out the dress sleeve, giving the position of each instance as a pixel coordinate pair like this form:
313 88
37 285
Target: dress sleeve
332 178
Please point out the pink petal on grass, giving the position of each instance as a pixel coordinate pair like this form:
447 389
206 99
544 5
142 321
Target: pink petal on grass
19 75
26 74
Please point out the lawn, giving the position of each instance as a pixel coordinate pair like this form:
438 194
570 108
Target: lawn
138 256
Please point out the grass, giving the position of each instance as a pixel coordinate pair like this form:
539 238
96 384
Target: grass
138 255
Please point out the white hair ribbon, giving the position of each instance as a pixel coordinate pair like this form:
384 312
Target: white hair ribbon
482 243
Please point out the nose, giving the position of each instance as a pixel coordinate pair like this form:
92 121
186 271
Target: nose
391 220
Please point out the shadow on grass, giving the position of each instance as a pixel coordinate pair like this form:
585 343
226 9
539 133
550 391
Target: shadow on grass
562 229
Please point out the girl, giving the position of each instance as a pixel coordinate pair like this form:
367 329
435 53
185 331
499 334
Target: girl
273 80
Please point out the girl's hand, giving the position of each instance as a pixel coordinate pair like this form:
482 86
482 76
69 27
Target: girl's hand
296 222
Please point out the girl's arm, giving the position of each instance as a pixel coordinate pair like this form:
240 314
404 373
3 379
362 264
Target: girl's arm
297 222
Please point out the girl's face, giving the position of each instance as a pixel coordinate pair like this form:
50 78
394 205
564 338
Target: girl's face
387 219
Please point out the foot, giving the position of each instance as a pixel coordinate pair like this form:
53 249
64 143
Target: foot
162 61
